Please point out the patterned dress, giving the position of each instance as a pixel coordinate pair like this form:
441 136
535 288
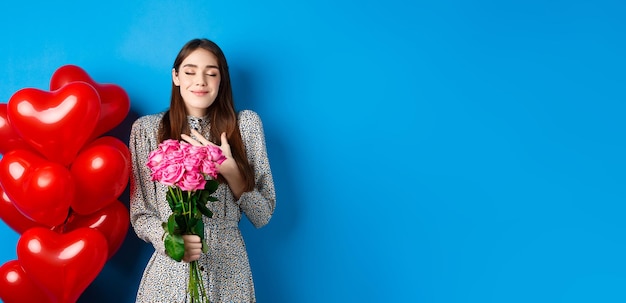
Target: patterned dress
226 267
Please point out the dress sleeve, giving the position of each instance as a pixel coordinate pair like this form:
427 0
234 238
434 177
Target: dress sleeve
144 214
258 204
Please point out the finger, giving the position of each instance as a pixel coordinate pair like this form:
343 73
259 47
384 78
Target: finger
224 139
201 139
193 249
190 258
192 239
193 245
190 140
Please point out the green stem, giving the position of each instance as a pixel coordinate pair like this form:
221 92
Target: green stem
195 287
191 212
196 290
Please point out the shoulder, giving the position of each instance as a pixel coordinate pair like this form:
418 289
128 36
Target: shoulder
146 127
248 118
250 127
148 121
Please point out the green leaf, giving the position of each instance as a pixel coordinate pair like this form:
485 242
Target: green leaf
198 229
171 200
181 222
172 225
178 209
205 247
211 186
204 210
204 196
175 205
175 247
191 225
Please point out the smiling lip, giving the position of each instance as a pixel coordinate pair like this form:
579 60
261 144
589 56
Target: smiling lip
200 93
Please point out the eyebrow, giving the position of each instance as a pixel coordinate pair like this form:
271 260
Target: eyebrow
193 65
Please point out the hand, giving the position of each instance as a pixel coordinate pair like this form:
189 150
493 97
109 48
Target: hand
193 248
229 166
228 169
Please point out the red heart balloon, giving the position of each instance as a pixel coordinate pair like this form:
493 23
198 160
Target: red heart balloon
108 140
58 123
40 189
62 264
13 217
17 287
112 221
101 172
114 101
9 139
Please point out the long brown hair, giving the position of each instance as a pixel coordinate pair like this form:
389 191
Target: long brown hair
221 113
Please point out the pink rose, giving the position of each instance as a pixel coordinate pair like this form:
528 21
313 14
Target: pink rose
198 151
209 168
176 163
171 174
192 181
156 175
174 156
169 145
154 158
192 163
184 147
215 154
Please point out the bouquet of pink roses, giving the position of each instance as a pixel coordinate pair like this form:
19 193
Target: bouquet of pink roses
189 173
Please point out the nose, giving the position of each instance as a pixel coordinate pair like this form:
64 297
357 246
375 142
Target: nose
200 80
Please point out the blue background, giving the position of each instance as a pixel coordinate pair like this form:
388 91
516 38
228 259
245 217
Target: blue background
423 151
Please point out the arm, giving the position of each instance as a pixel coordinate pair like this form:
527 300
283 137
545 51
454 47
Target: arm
144 215
230 171
258 204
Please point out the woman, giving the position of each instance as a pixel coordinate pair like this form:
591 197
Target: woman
202 112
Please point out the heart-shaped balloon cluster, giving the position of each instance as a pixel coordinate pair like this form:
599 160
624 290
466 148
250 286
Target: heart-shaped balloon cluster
60 181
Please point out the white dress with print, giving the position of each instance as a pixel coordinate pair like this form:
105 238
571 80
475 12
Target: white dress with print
226 268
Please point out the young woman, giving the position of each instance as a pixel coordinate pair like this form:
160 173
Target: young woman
202 112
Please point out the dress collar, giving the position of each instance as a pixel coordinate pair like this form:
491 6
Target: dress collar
196 122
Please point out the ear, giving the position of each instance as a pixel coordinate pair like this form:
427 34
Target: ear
175 77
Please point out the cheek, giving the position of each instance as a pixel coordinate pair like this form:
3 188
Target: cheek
216 83
183 82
